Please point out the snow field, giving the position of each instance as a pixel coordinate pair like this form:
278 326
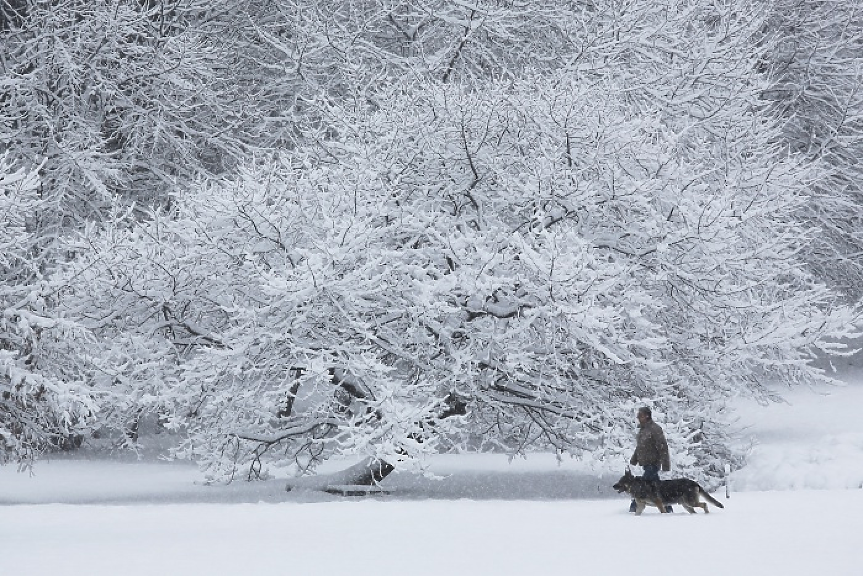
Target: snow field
770 533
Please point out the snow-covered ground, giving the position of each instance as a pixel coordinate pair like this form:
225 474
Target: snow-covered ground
795 510
781 533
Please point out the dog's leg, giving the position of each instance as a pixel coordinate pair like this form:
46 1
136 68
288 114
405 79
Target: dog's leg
688 508
659 504
703 505
639 507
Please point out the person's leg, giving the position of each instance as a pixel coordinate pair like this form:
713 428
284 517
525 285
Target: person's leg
651 473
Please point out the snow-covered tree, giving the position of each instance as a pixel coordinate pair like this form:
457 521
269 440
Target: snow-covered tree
114 103
496 226
125 98
543 254
817 68
44 398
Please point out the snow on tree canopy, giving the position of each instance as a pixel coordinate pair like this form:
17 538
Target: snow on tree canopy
553 251
387 230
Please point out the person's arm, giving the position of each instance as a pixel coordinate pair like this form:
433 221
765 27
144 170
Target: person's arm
662 448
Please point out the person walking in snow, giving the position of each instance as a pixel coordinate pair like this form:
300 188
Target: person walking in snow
651 449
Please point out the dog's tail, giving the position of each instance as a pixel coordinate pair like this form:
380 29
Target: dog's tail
710 498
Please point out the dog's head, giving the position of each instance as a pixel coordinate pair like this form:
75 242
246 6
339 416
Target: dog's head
625 482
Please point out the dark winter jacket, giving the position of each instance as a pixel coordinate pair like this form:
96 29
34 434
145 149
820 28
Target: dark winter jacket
651 449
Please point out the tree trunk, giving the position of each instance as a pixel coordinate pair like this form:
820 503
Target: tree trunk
358 480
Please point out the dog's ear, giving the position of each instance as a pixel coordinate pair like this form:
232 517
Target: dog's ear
628 471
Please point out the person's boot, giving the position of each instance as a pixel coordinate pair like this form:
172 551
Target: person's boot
632 507
668 509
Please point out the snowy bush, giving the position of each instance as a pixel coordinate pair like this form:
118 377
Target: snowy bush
44 398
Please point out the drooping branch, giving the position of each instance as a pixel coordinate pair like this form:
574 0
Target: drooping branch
289 432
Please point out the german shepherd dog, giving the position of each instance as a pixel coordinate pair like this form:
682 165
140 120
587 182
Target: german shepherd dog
681 491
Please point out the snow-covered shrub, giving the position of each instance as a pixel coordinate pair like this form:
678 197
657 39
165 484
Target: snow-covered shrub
44 398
